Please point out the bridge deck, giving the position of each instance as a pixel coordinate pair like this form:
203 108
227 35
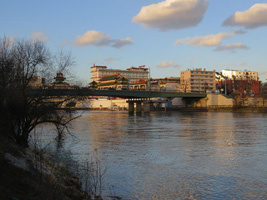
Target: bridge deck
112 93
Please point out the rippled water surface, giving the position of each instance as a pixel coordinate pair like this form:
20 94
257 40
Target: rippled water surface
176 155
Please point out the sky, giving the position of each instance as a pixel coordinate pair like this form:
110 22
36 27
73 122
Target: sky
168 36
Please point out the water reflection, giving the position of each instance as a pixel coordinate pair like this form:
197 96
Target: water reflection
177 155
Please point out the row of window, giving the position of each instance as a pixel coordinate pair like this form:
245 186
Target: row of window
195 72
201 80
245 76
247 73
201 88
203 84
203 76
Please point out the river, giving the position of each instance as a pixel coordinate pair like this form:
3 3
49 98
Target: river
174 155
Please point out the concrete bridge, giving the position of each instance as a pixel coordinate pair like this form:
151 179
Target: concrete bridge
134 96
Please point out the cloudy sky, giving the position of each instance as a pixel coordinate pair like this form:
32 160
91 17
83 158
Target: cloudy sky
167 35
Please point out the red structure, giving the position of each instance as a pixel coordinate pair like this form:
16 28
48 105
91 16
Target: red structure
242 87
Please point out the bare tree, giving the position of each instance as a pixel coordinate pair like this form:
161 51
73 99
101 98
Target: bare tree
20 61
184 85
60 62
263 93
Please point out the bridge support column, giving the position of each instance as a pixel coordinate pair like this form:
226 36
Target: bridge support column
131 107
138 107
146 106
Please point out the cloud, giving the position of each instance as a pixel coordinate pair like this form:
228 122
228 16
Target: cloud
110 59
98 38
207 41
91 38
122 42
231 47
39 36
165 64
254 17
172 14
243 64
64 43
239 32
9 41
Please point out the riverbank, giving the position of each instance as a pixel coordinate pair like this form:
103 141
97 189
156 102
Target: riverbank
239 109
222 109
29 174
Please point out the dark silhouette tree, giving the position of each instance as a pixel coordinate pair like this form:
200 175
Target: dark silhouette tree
20 62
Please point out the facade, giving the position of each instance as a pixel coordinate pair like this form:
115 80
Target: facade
165 84
159 84
239 87
239 75
197 80
170 84
238 82
132 74
113 81
138 85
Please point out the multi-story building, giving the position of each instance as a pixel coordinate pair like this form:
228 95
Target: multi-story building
197 80
239 87
132 74
113 81
238 82
239 75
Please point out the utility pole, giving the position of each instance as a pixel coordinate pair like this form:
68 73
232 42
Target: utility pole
149 80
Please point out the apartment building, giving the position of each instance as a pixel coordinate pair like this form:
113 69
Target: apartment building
239 75
197 80
132 74
238 82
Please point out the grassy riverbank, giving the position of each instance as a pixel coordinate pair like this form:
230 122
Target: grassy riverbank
27 174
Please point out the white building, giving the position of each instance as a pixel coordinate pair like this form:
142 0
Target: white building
132 74
240 75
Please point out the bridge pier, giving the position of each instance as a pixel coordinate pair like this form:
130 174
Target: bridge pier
146 106
138 108
131 107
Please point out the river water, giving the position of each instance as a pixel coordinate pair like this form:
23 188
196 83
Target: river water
174 155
